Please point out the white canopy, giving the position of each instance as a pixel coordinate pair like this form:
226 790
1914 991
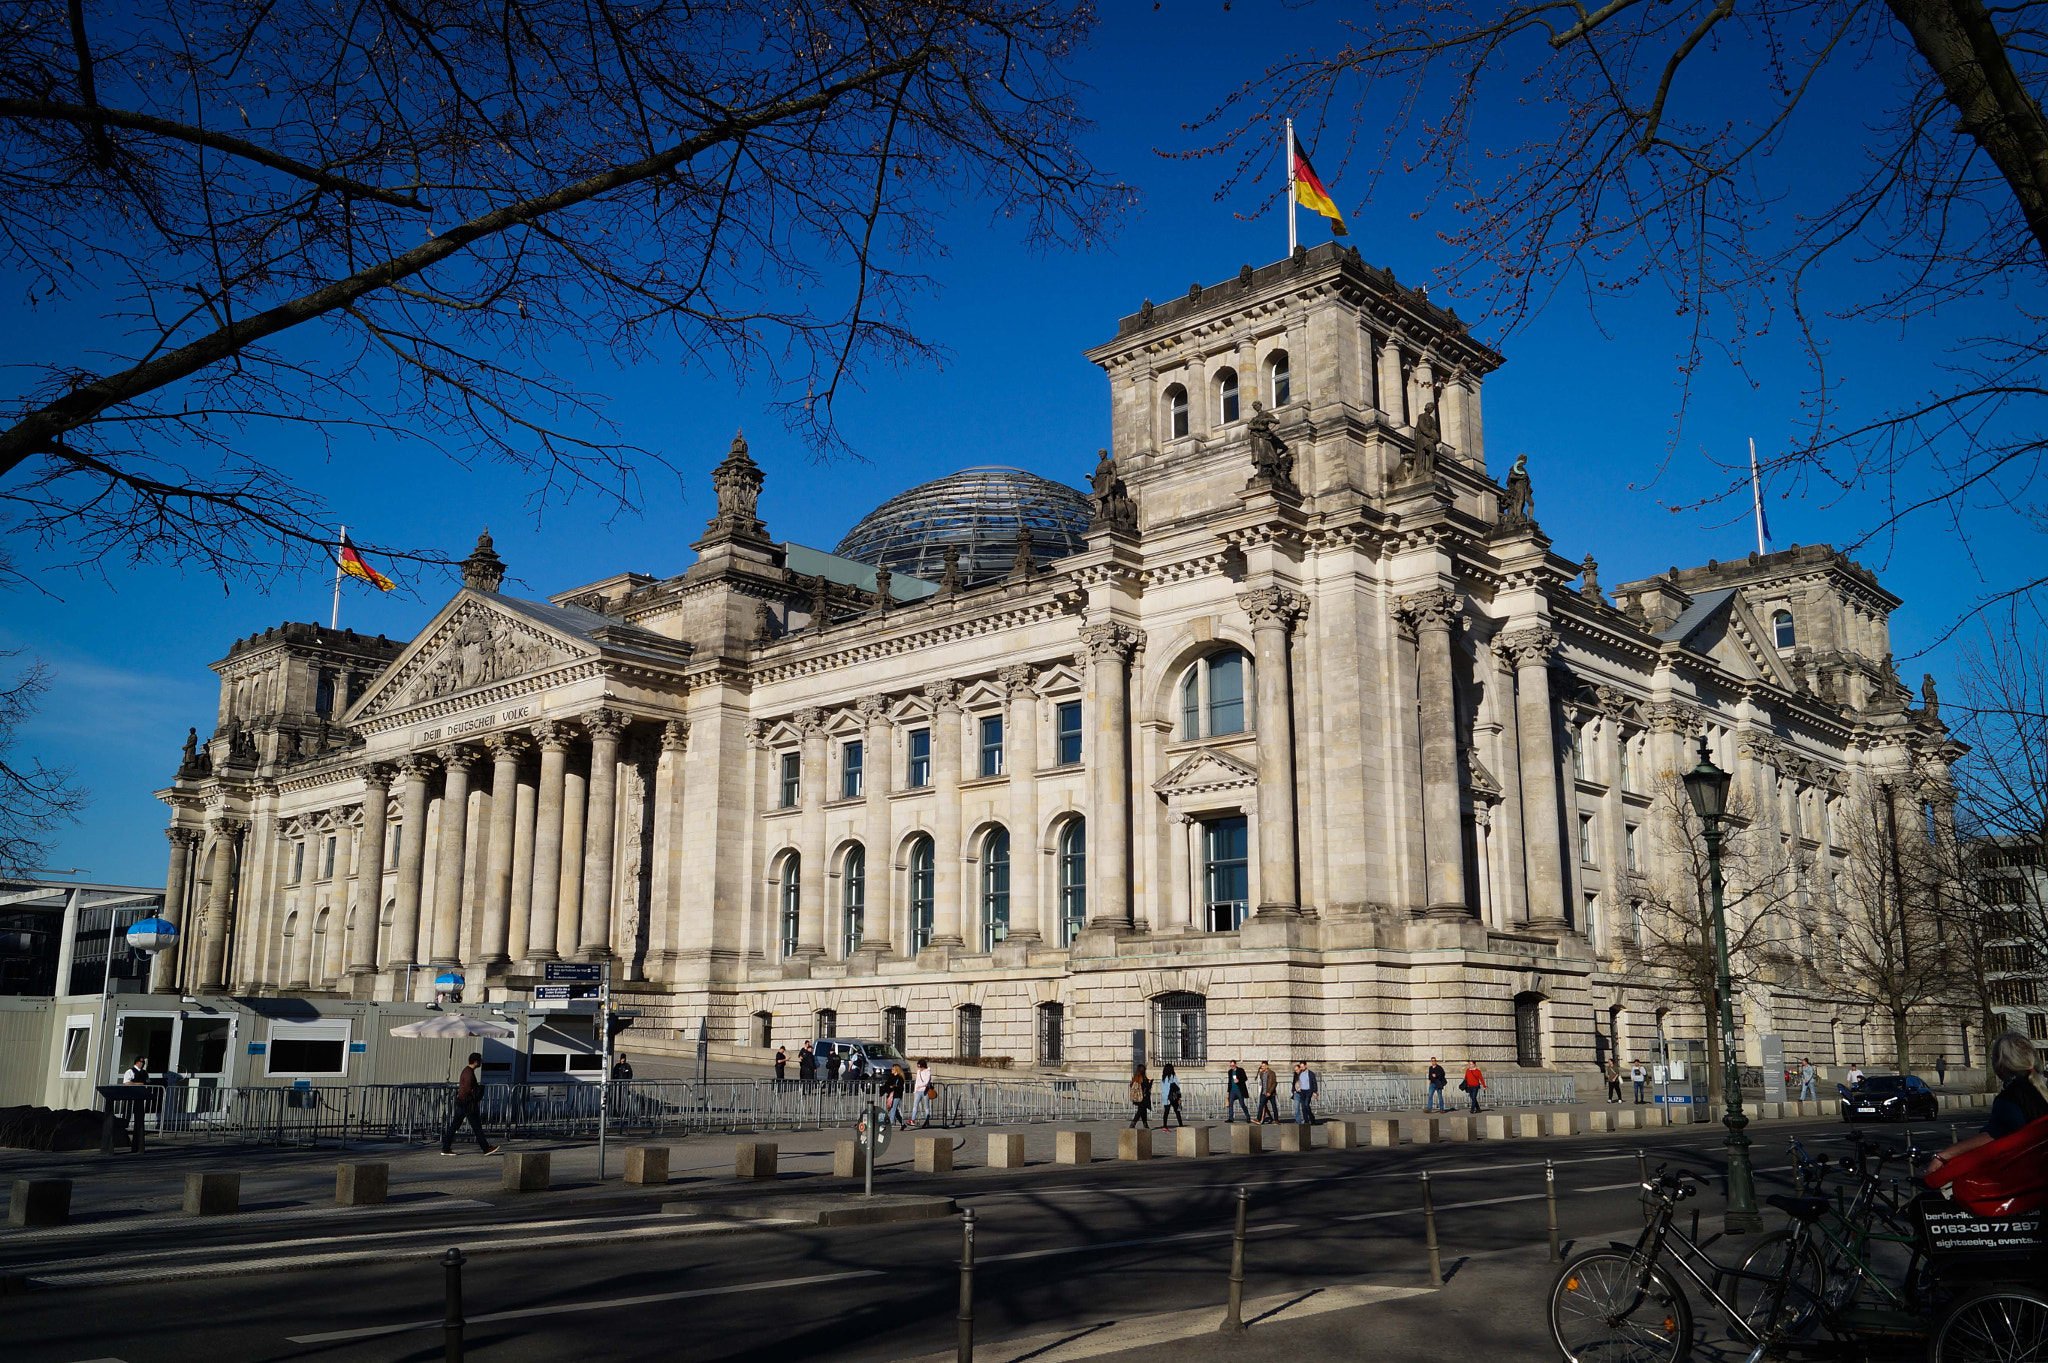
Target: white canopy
453 1025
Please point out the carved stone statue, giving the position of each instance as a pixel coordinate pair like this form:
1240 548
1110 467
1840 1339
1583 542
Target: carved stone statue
737 481
1930 699
485 648
483 570
882 579
191 757
764 623
1420 466
1270 456
1115 509
949 577
1517 505
1103 479
1023 563
1589 581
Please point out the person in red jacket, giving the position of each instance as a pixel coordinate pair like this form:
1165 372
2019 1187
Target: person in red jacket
1474 1082
2024 1099
468 1098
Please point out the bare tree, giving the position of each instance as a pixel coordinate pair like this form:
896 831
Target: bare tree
301 222
1894 957
34 799
1674 150
1677 949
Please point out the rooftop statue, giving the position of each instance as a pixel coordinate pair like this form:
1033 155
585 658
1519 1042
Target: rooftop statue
1270 456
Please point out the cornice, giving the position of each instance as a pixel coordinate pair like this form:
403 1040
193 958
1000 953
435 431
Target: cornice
830 658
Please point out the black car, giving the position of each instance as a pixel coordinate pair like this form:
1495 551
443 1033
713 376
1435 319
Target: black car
1889 1098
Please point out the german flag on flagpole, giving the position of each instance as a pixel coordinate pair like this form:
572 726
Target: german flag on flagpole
352 564
1309 190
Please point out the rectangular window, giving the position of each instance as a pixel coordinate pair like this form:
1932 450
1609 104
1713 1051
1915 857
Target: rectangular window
1226 694
992 745
2012 993
1586 840
1069 733
307 1049
920 758
1578 742
393 838
298 862
792 779
1226 873
851 759
2037 1026
77 1046
1627 774
327 860
1590 924
1629 841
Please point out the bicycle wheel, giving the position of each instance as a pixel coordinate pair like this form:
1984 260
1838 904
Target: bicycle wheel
1999 1325
1758 1296
1601 1312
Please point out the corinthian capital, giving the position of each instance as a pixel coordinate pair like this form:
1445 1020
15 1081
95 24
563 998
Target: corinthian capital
873 709
1113 640
1671 717
1529 647
378 775
417 764
512 745
944 696
552 735
1439 608
458 756
183 837
1017 680
1280 606
675 736
604 723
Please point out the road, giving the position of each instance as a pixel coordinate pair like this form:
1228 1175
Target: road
613 1278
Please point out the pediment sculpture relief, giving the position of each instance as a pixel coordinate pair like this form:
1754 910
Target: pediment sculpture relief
485 648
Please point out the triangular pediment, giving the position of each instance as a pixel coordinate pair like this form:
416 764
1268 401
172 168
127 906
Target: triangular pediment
1205 771
471 644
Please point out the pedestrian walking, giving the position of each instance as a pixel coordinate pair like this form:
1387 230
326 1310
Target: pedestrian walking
1238 1084
1304 1094
1473 1083
1269 1089
1169 1099
892 1095
920 1094
1433 1101
622 1070
1941 1068
1141 1099
832 1063
1807 1075
806 1067
781 1063
1613 1072
1636 1076
468 1098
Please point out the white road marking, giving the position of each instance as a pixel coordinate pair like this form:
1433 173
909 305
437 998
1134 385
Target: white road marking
565 1308
1384 1176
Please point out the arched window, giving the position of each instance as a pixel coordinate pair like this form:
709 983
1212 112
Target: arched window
1781 626
995 888
792 901
1073 868
1277 379
854 896
1052 1033
1176 411
1181 1021
923 892
1529 1030
967 1032
1226 396
1212 695
825 1023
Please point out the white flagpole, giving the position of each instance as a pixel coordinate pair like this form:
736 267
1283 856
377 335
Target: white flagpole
1756 497
334 620
1287 154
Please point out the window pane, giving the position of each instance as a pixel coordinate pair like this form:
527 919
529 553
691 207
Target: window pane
1073 880
1226 694
291 1056
921 894
920 757
792 902
1226 845
1191 704
1226 390
856 897
851 758
1282 393
1070 733
1177 408
77 1045
992 745
995 889
792 779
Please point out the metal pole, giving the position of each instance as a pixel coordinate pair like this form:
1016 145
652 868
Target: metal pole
1436 1259
868 1159
1233 1316
604 1082
1550 1198
1742 1217
451 1325
965 1353
1642 1177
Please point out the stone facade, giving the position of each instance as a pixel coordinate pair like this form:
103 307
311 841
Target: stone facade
1314 751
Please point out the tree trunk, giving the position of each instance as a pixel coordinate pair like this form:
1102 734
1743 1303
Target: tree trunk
1901 1060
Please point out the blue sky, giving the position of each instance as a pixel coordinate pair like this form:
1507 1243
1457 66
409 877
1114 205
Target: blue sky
1593 405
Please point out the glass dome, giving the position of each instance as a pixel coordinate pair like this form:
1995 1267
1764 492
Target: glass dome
976 511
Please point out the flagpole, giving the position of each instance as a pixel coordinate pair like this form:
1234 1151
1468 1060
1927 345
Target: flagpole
1756 498
1287 155
334 619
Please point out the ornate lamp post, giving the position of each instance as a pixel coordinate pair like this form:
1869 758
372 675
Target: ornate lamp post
1707 786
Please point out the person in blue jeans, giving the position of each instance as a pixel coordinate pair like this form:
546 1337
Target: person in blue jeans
1434 1100
1238 1084
1304 1094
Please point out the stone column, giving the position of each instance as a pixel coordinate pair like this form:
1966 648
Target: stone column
449 854
1424 382
878 768
810 835
163 971
1020 756
671 830
569 885
506 751
1536 743
403 946
362 956
219 894
947 916
1435 614
553 739
606 728
1393 393
1111 646
336 963
524 817
1184 911
1273 611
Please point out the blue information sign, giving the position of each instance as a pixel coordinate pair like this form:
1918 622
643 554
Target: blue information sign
575 972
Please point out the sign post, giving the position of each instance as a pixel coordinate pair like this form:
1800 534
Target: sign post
560 977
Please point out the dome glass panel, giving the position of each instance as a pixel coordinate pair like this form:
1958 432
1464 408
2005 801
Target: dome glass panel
976 511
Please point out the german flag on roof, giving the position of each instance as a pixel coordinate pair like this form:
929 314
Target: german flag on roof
1310 192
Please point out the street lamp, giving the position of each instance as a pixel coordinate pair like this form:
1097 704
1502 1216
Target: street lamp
1707 785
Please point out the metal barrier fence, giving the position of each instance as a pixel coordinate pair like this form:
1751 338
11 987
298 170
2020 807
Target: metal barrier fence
656 1107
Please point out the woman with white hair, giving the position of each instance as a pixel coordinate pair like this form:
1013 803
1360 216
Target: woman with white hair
2024 1098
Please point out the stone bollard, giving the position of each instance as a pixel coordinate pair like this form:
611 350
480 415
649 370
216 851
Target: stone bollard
1495 1126
1454 1128
1132 1143
1561 1123
527 1171
848 1160
1341 1135
213 1194
1073 1147
1005 1151
361 1185
1386 1131
934 1155
1297 1136
1655 1115
1601 1119
647 1164
1529 1124
1628 1119
1191 1142
1769 1112
1421 1130
41 1202
753 1159
1246 1139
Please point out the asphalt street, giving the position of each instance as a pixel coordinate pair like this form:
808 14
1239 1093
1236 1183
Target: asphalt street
611 1277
